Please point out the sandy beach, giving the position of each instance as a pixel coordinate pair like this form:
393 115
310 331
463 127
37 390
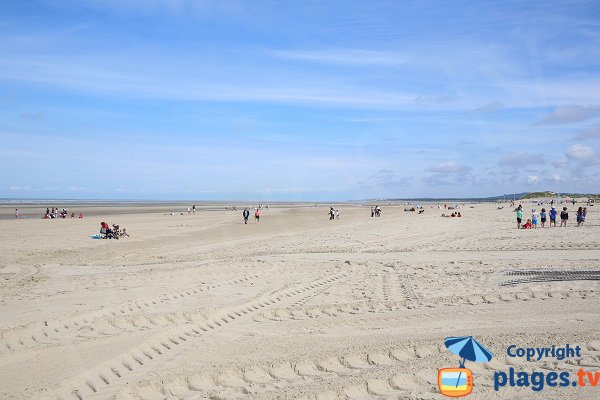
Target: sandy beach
296 307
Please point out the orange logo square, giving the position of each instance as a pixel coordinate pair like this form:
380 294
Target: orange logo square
455 382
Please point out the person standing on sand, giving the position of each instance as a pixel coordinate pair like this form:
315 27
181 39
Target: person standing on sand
553 216
257 216
246 214
543 217
579 216
16 213
372 211
193 209
519 216
564 217
534 218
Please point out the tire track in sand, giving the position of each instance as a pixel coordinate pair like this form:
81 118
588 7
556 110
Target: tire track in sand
256 380
423 384
111 321
105 379
334 310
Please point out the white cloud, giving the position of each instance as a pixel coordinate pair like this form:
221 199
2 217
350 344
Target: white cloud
589 133
570 113
33 115
341 56
449 173
533 179
580 152
449 167
556 178
521 158
489 107
560 162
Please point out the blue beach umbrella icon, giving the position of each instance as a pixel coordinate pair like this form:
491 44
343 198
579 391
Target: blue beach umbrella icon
468 349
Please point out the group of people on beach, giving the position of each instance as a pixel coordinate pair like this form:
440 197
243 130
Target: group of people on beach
453 215
246 215
542 217
55 213
375 211
112 233
191 209
333 214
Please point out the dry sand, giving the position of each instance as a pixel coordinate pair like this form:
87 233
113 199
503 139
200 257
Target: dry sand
203 306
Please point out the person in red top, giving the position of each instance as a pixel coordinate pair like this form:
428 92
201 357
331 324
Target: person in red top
528 225
257 216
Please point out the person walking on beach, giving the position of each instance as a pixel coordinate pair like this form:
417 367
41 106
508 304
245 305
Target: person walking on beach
519 216
16 213
543 216
331 214
246 214
257 216
193 209
372 211
564 217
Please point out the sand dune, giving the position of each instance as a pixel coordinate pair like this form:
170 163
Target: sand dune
203 306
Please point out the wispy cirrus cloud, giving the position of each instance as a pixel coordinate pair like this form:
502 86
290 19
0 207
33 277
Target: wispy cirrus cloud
449 167
570 114
520 159
33 115
341 56
489 107
592 132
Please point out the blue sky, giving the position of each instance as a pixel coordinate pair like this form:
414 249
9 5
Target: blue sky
302 100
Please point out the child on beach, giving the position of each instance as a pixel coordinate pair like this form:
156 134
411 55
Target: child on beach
553 216
564 216
527 225
579 216
543 216
519 216
534 218
257 216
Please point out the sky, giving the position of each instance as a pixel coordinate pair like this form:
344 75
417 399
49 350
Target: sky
297 100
